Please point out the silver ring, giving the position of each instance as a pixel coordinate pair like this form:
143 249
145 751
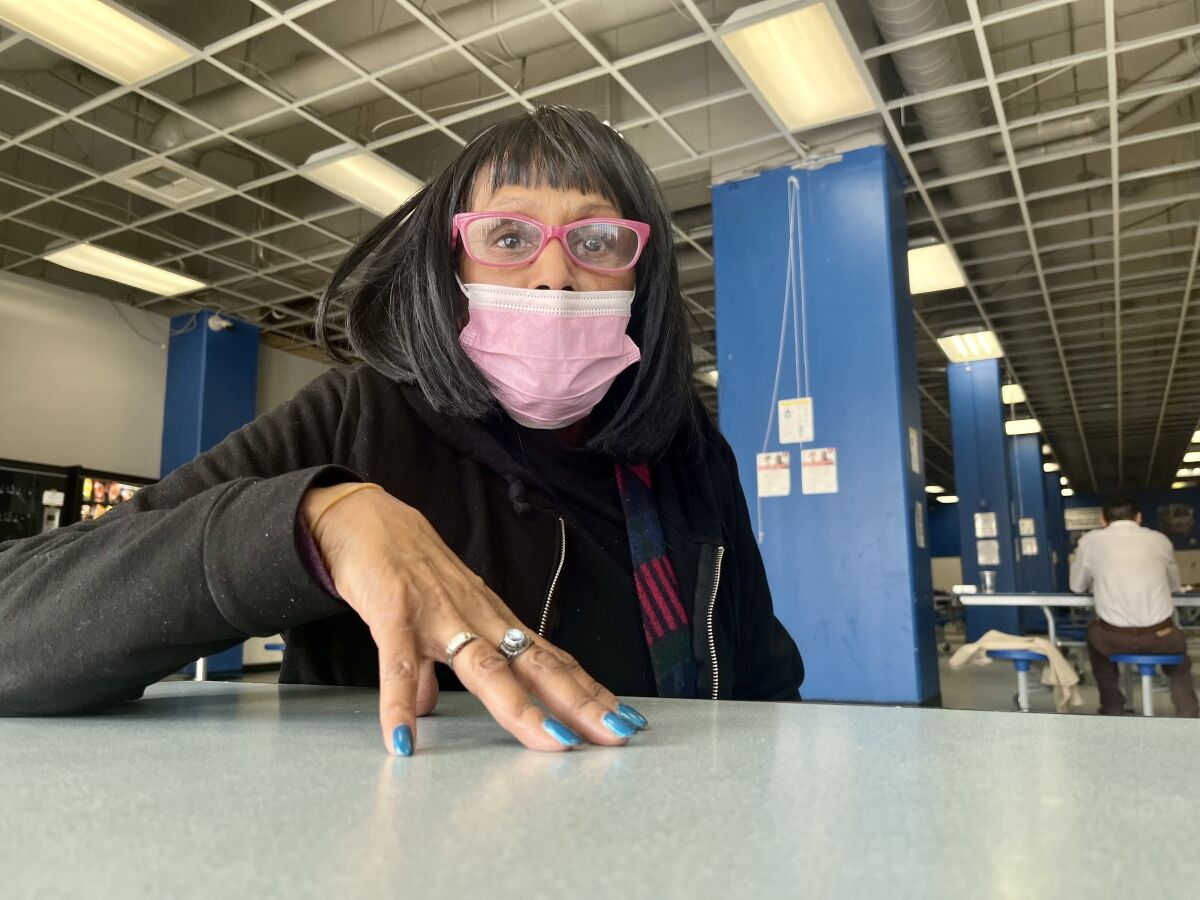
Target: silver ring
456 644
515 643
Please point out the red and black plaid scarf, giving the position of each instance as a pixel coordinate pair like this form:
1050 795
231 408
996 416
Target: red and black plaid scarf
664 616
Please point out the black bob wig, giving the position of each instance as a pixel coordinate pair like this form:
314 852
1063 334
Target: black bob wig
404 309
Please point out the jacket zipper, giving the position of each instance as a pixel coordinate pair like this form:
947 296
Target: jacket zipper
712 643
562 558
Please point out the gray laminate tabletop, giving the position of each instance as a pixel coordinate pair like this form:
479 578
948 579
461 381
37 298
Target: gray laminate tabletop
251 790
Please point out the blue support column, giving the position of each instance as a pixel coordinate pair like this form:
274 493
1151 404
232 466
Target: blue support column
981 481
212 379
1056 530
849 580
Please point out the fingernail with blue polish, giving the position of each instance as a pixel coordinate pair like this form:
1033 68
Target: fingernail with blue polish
632 715
561 732
402 741
618 726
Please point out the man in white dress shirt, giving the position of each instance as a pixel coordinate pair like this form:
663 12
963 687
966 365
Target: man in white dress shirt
1131 572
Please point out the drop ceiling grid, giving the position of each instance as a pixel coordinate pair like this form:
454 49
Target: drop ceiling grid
1021 340
287 170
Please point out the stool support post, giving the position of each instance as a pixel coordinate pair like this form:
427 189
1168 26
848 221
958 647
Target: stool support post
1023 689
1147 664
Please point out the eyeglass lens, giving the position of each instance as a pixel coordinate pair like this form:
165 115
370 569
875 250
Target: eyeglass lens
501 241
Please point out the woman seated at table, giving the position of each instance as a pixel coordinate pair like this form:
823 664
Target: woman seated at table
517 479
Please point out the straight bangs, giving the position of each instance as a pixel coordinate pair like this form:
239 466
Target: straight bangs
517 152
404 309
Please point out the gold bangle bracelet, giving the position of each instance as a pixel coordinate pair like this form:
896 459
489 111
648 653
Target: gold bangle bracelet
350 489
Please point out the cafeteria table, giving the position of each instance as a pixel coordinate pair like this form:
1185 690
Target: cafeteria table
1044 601
256 790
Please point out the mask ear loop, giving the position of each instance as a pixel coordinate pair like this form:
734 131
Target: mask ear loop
463 314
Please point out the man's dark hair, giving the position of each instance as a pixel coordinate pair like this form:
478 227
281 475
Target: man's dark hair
404 309
1118 508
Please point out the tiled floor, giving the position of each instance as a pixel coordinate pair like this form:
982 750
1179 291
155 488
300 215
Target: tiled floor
994 686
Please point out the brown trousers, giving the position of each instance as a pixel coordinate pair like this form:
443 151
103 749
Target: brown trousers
1104 640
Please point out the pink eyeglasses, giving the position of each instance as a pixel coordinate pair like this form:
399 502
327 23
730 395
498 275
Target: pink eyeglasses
504 240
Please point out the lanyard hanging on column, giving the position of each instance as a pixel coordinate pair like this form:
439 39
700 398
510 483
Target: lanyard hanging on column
796 412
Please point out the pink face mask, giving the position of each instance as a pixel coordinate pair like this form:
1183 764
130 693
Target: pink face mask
551 356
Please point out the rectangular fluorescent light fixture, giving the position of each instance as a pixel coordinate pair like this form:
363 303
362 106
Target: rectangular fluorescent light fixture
361 177
1192 456
1012 394
1067 492
947 498
1022 426
970 346
708 375
1046 451
93 260
1196 437
800 63
1063 480
934 489
102 36
1050 467
1186 473
1181 484
933 268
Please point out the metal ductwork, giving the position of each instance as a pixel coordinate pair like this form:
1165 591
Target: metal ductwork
934 66
1091 129
308 76
939 64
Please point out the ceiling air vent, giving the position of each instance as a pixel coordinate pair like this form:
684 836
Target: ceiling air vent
169 183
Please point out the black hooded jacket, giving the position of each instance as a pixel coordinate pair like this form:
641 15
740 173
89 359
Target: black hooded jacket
93 613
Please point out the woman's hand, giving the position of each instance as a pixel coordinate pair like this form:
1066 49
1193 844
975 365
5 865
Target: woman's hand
415 595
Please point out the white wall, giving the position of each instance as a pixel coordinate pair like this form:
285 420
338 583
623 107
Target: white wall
1189 566
947 570
281 375
78 385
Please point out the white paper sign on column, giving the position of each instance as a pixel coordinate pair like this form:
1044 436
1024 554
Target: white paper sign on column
774 474
796 420
987 553
985 525
1027 526
818 471
1029 546
919 519
914 449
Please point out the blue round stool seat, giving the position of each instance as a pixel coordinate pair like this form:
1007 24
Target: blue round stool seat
1019 658
1146 662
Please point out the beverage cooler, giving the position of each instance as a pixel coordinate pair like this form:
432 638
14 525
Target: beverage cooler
36 498
93 493
32 498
